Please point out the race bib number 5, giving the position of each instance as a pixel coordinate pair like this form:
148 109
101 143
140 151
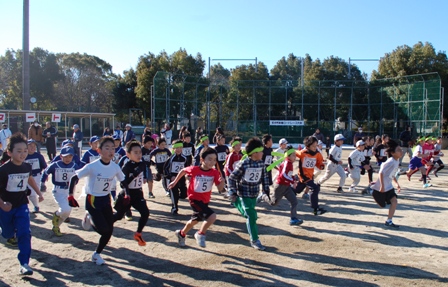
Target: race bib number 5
203 184
253 174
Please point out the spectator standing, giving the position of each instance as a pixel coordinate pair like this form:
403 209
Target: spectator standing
167 134
183 129
320 137
219 132
128 135
35 133
50 133
77 138
358 136
107 132
5 134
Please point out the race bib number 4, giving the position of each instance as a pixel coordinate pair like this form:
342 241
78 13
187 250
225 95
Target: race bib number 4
222 156
17 182
203 184
309 162
253 174
268 160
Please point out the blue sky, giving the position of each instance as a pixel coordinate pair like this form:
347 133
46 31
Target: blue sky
121 31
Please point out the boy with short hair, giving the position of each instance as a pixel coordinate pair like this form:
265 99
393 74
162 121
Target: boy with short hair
147 148
356 164
267 154
244 184
199 194
92 154
204 142
15 174
222 150
161 155
172 167
334 164
38 164
437 154
188 150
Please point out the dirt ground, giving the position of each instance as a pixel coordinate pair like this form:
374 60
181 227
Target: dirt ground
347 246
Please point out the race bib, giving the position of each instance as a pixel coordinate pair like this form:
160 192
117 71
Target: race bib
222 156
147 157
160 158
176 167
64 174
203 183
137 182
34 162
186 151
309 162
268 160
17 182
253 175
103 184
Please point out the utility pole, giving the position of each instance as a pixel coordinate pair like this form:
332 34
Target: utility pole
26 55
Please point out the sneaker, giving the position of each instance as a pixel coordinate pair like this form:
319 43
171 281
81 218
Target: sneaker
426 185
139 239
174 211
319 211
366 191
96 258
260 198
350 189
151 195
36 209
168 194
55 220
257 245
56 231
67 220
339 190
12 242
295 221
435 173
180 239
305 196
86 223
128 218
25 269
391 224
200 239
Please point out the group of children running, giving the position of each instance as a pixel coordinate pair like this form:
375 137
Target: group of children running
190 172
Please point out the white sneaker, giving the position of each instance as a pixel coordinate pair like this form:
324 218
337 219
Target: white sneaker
200 239
25 269
350 189
180 239
257 245
96 258
168 194
86 222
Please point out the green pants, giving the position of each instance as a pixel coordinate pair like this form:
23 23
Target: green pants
246 206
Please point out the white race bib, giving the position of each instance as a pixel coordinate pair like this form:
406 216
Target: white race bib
160 158
186 151
103 184
309 162
64 174
253 174
268 160
34 162
222 156
137 182
176 167
203 183
147 157
17 182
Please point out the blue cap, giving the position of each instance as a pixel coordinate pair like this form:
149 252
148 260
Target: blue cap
76 126
116 137
94 139
66 142
65 151
30 141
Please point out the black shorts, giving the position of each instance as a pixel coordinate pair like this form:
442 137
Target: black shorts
384 197
201 211
439 162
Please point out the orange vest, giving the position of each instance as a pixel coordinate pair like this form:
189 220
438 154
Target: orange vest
308 162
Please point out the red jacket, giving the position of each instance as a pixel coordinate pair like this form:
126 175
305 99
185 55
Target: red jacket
285 174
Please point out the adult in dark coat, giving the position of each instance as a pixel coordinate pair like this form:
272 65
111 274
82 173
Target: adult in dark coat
49 134
317 134
358 136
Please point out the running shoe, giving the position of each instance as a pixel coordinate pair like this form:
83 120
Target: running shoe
435 173
180 239
426 185
295 221
55 219
36 209
151 195
391 224
25 269
12 242
96 258
139 239
257 245
319 211
339 190
200 239
305 196
56 231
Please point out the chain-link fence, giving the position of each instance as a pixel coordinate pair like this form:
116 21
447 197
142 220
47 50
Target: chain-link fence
248 108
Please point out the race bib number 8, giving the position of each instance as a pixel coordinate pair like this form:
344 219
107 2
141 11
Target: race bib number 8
203 184
176 167
17 182
64 174
309 162
253 174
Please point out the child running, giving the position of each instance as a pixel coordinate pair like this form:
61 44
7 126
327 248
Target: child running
38 164
383 190
356 164
380 149
100 175
134 171
147 148
244 184
416 162
436 157
61 172
334 164
204 142
308 159
284 185
199 194
234 156
161 155
222 150
188 150
92 154
15 176
172 167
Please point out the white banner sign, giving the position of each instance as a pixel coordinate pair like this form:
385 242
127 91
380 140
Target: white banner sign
2 117
287 123
56 118
30 117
